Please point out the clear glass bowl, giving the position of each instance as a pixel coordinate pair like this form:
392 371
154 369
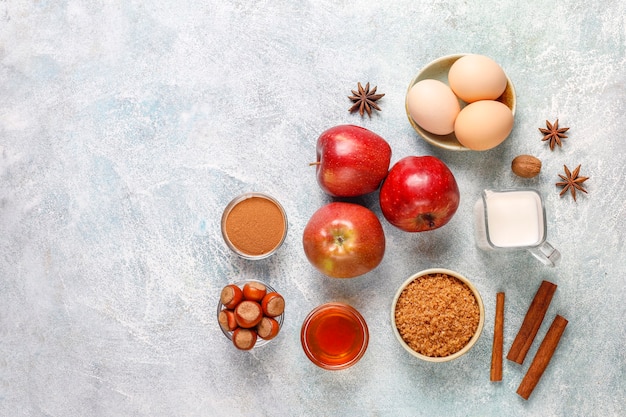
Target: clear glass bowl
334 336
259 342
240 251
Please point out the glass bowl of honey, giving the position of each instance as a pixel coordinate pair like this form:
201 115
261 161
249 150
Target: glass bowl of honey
334 336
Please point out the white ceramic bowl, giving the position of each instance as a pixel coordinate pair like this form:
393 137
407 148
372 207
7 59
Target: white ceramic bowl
438 70
473 339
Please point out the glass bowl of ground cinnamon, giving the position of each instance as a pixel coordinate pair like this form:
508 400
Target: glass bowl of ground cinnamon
254 225
437 315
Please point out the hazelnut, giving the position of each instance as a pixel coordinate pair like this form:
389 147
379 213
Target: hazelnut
526 166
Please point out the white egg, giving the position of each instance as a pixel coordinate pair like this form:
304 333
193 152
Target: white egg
433 106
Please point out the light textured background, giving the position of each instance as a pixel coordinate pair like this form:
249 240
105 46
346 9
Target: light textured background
127 126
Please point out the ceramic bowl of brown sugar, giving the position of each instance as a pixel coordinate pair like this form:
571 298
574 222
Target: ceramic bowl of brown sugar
254 225
437 315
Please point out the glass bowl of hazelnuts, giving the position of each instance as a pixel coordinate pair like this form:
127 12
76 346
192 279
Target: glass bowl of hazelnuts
250 313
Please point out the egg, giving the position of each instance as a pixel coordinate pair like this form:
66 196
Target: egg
483 124
433 106
477 77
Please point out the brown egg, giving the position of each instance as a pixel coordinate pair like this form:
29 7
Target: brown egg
477 77
483 124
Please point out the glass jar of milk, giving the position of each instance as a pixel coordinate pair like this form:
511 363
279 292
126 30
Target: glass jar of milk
513 220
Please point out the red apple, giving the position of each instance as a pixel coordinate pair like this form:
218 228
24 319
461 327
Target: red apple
419 194
351 161
344 240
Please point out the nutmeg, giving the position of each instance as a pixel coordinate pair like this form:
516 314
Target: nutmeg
526 166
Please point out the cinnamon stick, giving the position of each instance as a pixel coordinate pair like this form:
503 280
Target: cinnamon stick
498 336
542 357
532 321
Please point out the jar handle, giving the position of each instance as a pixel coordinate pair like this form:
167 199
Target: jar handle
546 253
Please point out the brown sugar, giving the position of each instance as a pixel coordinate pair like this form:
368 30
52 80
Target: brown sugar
255 226
437 315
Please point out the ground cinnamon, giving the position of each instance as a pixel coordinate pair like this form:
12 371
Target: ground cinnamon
498 333
532 321
255 226
542 357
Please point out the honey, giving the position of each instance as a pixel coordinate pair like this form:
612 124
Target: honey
334 336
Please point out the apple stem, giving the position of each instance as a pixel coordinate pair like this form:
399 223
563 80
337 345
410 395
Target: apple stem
314 163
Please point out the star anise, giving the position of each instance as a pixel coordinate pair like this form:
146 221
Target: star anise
553 133
364 100
572 181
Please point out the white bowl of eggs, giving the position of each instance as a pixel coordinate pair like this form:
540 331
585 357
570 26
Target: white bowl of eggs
462 102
